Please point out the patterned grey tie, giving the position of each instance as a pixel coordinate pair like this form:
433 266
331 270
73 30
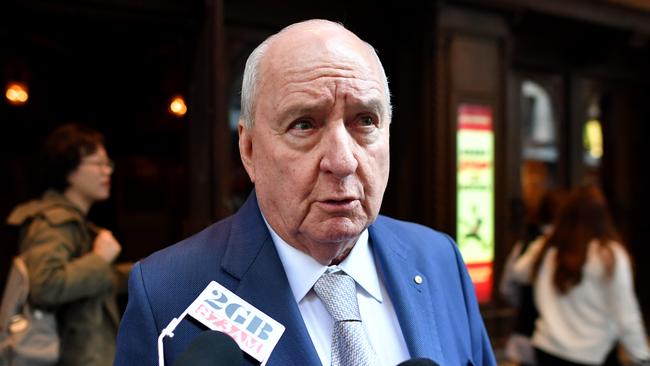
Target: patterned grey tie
350 343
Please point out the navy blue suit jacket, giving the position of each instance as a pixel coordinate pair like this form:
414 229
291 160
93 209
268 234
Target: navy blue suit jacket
439 317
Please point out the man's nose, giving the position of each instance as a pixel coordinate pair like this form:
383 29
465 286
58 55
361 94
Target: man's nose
338 151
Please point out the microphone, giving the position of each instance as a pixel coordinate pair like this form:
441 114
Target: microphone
419 362
211 348
221 310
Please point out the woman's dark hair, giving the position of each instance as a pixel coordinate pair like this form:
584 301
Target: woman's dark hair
63 150
547 210
583 218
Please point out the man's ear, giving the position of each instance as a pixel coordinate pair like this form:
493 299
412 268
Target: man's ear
246 149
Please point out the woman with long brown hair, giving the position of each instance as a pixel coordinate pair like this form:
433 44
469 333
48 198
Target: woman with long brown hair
583 287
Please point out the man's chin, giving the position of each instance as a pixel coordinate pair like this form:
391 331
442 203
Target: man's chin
338 230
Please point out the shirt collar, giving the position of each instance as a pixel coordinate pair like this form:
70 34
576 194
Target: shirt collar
303 271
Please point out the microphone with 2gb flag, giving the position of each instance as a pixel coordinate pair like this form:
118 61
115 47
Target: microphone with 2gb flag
211 348
231 317
419 362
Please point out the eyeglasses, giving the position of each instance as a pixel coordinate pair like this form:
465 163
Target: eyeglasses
100 163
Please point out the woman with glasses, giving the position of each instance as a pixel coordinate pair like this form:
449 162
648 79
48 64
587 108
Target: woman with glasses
70 260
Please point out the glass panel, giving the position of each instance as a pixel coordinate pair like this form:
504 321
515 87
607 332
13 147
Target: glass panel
540 152
538 123
592 135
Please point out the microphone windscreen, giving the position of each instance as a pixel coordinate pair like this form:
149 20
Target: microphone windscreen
211 348
419 362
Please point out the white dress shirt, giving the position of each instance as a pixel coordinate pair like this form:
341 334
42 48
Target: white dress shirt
377 312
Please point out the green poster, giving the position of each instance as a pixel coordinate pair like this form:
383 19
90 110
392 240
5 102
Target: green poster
475 194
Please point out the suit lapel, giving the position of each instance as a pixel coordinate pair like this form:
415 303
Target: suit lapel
412 301
251 258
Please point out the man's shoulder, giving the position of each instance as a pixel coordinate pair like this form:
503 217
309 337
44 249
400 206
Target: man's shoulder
419 240
172 277
209 242
214 253
408 228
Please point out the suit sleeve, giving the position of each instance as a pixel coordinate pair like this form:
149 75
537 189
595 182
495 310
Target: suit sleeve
482 354
137 338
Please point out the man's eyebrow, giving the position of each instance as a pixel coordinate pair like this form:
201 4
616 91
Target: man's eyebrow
296 110
371 104
309 108
376 104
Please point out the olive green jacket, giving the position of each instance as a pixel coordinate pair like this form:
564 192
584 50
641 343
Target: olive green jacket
65 276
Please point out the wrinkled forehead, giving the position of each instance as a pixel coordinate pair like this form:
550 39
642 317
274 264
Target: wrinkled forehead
307 48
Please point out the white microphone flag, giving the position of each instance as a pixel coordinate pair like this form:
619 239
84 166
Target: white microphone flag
220 309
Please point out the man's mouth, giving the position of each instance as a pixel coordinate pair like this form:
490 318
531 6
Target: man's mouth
338 205
339 202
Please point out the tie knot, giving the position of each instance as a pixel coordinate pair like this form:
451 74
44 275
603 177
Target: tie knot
339 294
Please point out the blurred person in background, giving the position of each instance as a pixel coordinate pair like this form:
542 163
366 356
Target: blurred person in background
70 260
519 348
583 287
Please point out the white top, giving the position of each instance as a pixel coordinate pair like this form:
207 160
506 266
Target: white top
584 324
377 312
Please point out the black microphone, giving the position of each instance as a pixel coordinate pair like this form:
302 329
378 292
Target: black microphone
419 362
211 348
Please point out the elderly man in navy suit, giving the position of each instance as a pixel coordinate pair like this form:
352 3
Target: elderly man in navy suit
314 139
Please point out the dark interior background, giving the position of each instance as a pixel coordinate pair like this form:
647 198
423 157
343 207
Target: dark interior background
116 64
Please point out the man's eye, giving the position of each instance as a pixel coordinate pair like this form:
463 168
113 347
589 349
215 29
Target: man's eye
366 121
302 125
